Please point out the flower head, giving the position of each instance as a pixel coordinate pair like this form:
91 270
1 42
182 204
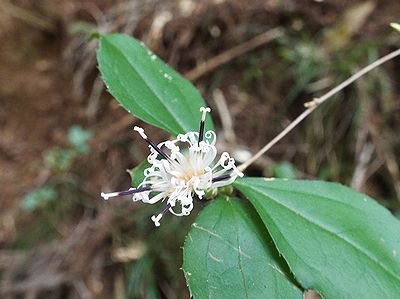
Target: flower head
181 170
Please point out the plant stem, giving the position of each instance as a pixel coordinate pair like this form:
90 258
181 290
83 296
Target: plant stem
312 105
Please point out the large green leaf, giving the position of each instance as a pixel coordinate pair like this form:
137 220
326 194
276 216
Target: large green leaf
229 254
147 87
336 241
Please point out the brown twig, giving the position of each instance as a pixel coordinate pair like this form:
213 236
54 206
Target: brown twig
48 267
27 16
360 171
94 98
387 156
111 130
232 53
312 105
224 115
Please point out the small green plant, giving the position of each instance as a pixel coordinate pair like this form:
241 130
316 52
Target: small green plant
58 161
293 235
39 197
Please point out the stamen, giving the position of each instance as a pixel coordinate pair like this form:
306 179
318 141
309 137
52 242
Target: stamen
204 111
106 196
156 219
150 142
221 178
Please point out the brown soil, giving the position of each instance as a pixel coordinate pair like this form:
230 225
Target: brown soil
39 102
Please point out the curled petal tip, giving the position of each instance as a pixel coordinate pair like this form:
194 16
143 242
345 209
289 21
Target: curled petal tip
205 109
140 131
156 219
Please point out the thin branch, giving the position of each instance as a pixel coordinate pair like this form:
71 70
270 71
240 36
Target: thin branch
360 171
127 120
232 53
312 105
224 115
27 16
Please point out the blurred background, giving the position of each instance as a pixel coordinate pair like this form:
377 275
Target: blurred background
63 139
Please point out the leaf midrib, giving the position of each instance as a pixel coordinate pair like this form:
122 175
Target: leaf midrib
330 232
315 287
104 62
177 119
347 205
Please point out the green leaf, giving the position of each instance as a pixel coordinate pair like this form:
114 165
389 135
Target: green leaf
59 159
81 27
229 254
284 170
140 279
78 137
38 198
146 87
137 173
336 241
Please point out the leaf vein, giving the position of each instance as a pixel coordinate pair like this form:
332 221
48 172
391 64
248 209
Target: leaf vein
332 233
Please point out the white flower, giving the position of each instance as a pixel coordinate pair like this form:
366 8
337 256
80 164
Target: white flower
181 170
